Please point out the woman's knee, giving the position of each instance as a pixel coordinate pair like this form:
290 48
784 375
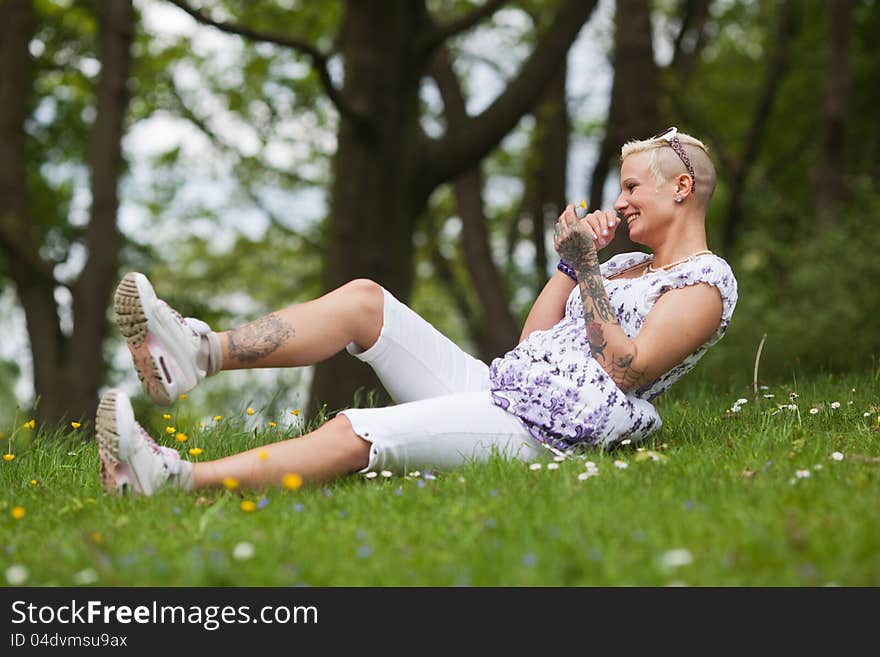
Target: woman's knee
352 449
366 301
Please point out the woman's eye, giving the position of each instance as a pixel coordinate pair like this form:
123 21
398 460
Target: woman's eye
630 187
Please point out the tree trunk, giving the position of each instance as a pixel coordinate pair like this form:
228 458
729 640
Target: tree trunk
633 112
31 275
547 173
777 65
498 333
374 205
68 371
92 291
385 169
830 182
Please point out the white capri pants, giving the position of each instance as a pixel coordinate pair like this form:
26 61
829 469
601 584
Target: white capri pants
444 416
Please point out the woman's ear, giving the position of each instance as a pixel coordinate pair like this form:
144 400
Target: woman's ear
684 185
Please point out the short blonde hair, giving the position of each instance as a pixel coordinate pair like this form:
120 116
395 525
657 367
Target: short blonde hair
665 163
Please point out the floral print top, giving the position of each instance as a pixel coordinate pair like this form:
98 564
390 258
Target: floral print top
563 395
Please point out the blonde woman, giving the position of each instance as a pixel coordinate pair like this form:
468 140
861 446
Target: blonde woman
600 342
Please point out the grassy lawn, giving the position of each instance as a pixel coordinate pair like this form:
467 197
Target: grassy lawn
773 494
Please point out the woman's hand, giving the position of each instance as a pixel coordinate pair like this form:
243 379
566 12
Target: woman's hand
574 236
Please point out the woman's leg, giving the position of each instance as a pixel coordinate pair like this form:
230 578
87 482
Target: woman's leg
172 354
131 461
330 451
306 333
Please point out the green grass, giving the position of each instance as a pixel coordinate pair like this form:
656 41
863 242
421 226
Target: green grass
725 490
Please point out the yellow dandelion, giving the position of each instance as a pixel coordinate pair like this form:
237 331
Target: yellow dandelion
8 457
170 430
97 537
250 411
217 418
33 482
182 395
272 424
295 411
230 483
201 425
18 512
30 424
195 451
75 425
182 437
263 455
248 506
166 416
292 481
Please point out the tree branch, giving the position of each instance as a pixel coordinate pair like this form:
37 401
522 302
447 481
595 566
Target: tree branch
443 33
202 125
693 26
460 149
318 58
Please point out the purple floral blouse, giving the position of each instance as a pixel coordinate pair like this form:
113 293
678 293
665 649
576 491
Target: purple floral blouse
563 395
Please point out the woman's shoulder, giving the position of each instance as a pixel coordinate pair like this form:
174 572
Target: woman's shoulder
623 261
707 268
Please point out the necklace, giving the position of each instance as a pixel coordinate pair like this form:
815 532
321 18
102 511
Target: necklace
651 269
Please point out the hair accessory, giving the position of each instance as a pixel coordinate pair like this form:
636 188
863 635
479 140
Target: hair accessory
670 135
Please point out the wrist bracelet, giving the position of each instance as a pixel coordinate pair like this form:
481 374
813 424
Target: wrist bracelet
567 269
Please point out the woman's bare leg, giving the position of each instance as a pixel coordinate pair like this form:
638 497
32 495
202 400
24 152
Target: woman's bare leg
309 332
330 451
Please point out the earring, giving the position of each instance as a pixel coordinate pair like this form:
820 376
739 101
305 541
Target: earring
677 198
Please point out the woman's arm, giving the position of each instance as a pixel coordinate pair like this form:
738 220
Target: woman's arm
680 322
549 307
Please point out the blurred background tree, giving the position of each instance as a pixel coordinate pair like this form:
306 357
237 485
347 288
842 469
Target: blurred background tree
247 155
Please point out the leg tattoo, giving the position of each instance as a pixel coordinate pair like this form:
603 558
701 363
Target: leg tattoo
260 338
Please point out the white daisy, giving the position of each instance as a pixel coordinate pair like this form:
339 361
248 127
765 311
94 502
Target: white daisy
16 574
243 551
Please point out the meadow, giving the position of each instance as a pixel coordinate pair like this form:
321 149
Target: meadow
736 490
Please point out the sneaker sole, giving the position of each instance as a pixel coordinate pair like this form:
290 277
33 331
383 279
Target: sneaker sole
108 443
131 318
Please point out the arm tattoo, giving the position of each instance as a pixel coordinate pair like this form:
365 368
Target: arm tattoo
260 338
596 338
598 313
623 374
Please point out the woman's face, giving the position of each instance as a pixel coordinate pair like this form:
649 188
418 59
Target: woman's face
644 203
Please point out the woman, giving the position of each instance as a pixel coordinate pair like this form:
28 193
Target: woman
599 343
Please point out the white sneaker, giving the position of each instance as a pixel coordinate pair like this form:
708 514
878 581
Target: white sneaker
163 345
131 461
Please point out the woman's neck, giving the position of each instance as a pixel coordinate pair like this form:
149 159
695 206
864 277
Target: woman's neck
681 243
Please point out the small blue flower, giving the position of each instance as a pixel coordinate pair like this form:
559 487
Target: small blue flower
364 551
262 502
529 559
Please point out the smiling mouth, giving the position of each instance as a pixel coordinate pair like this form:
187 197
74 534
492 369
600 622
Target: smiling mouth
631 218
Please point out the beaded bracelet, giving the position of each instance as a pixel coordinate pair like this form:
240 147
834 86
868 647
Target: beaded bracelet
567 269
